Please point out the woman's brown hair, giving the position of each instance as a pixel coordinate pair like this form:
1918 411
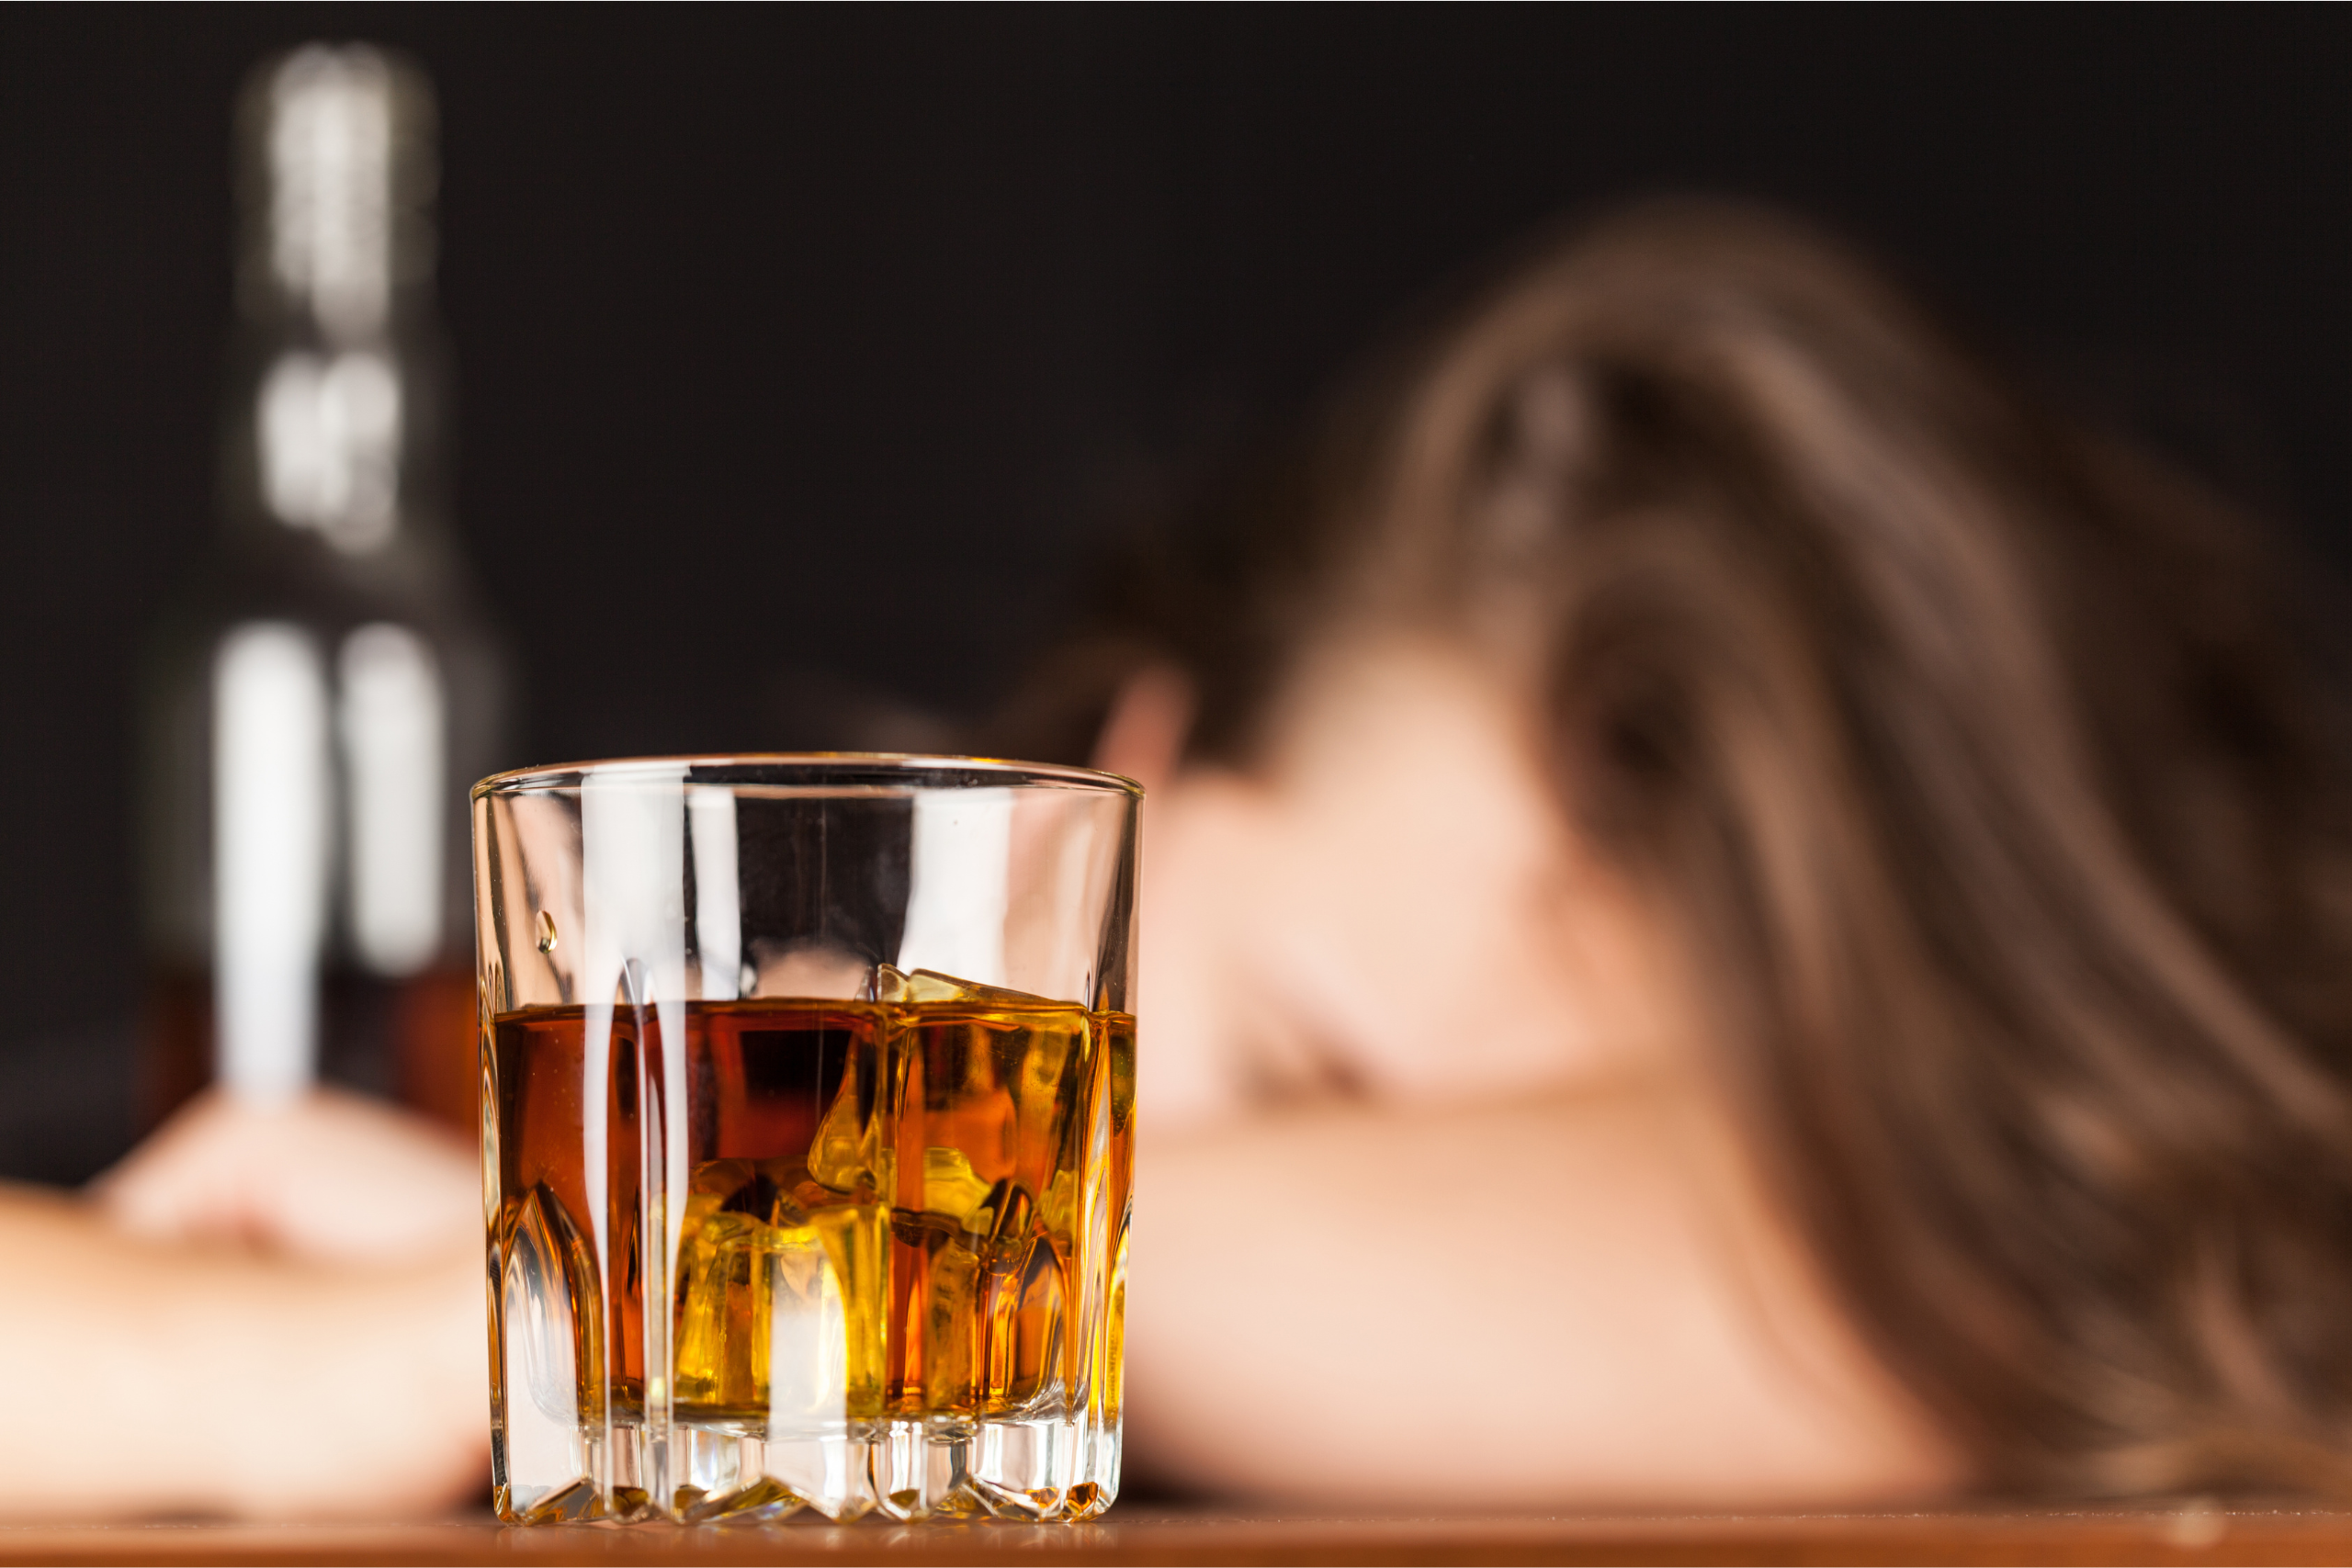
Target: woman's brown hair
2000 810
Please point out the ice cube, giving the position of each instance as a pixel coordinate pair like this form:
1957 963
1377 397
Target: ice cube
951 1328
856 1239
739 1214
891 984
950 1186
766 1190
719 1310
807 1352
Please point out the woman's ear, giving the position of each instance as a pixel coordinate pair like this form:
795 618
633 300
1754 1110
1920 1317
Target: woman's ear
1144 734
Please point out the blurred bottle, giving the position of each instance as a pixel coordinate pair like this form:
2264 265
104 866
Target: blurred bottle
325 687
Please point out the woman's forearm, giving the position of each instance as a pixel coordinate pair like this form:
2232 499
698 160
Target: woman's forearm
1576 1302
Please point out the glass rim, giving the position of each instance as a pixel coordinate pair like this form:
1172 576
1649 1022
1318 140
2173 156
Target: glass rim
885 770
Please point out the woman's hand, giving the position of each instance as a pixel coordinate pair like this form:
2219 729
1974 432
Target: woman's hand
329 1178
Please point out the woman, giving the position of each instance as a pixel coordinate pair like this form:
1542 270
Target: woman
1734 915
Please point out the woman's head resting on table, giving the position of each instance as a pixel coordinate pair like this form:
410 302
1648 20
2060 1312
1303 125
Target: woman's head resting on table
1693 657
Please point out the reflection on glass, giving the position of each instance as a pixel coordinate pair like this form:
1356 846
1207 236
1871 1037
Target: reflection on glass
718 916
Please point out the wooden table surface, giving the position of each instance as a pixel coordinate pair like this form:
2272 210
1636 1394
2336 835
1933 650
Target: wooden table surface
2190 1533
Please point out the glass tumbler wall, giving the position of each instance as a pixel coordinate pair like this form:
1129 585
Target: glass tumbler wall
807 1093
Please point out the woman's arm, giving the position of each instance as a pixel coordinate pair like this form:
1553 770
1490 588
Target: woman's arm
151 1377
1573 1302
268 1311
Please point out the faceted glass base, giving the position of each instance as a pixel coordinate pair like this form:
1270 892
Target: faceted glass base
1032 1469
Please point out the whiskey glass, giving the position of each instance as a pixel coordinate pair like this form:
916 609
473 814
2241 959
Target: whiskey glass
806 1089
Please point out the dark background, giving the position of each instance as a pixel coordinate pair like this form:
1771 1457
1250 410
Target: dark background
800 346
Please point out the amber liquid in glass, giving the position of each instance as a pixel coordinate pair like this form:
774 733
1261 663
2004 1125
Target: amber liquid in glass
909 1209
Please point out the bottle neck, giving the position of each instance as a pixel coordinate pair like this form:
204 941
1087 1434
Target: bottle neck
336 391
